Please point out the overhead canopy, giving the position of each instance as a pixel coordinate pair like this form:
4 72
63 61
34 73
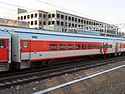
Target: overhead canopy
10 22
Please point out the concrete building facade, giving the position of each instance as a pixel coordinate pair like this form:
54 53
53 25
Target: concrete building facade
61 21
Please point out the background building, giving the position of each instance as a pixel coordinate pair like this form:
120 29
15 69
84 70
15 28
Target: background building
61 21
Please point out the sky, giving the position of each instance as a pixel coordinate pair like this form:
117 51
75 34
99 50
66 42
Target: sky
109 11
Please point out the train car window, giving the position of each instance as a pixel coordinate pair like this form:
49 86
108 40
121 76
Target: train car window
25 43
94 46
89 46
70 46
83 46
62 47
53 46
77 46
2 43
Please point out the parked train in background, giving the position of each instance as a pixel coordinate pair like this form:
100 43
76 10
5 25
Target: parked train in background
23 47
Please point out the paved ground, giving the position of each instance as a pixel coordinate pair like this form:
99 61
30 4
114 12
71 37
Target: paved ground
109 83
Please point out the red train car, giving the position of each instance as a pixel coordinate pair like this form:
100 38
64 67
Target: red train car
5 51
37 47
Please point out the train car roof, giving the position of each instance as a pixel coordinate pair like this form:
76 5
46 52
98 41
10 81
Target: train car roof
47 32
4 34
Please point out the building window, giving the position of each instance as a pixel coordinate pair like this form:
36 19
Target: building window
58 22
53 22
79 20
72 25
62 47
65 23
70 46
2 43
21 17
24 17
89 23
36 15
62 16
40 22
28 16
69 24
84 21
53 47
31 22
75 25
58 15
40 15
49 22
44 22
53 15
35 22
65 17
31 15
18 18
69 18
49 15
44 15
75 19
62 23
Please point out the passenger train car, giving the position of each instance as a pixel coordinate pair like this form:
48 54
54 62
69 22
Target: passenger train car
22 47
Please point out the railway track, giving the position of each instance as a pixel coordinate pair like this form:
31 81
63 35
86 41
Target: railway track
6 82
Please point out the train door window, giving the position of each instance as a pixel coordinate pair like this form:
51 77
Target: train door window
2 43
62 47
77 46
83 46
70 46
89 46
110 45
53 46
25 43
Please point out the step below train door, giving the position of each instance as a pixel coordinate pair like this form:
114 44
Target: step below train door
25 53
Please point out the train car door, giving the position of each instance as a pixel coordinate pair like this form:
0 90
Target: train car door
25 49
4 50
116 48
